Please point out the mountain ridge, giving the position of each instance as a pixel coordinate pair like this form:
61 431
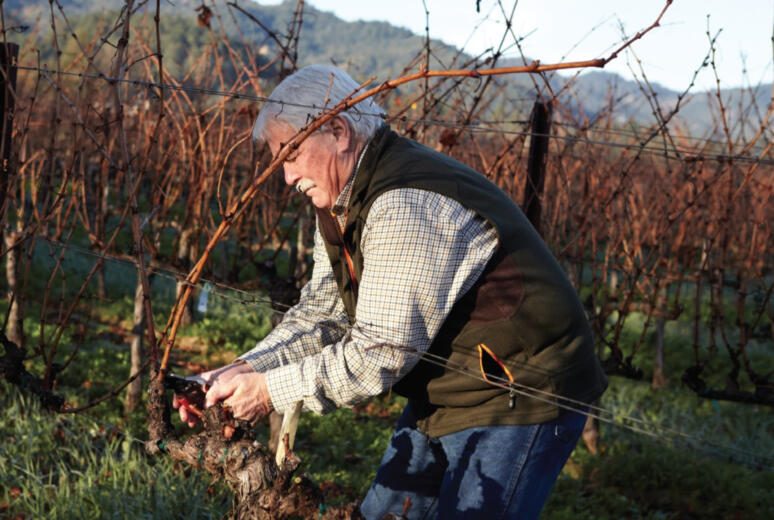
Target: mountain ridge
367 48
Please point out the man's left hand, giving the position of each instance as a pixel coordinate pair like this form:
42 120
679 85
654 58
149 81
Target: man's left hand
245 394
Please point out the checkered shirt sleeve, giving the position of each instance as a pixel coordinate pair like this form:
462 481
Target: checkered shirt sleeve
422 251
317 319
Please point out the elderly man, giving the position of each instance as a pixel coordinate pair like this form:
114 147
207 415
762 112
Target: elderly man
430 281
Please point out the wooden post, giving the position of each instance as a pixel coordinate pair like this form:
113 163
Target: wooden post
14 328
540 126
134 390
8 55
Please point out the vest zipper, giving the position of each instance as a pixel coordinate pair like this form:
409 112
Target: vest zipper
350 266
351 270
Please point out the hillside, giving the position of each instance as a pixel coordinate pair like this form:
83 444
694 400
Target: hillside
368 49
381 48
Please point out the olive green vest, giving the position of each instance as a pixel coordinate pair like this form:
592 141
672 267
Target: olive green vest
523 308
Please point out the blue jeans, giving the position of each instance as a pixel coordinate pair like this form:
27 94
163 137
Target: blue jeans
487 472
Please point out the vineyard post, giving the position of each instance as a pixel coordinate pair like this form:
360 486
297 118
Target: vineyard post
8 55
540 125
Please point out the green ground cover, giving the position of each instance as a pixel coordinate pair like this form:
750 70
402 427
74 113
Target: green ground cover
59 466
93 465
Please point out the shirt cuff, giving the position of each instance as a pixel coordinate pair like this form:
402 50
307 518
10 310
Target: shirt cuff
284 386
254 363
259 362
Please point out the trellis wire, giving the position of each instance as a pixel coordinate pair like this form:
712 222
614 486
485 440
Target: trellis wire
480 128
662 433
474 128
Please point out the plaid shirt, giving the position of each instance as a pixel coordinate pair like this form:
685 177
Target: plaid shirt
422 252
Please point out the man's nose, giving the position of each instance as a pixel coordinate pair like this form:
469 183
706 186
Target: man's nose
290 176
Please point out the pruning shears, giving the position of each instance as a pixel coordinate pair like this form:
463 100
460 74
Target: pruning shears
189 390
190 394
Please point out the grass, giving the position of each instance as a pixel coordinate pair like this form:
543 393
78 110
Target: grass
646 480
637 477
65 467
72 467
341 451
56 466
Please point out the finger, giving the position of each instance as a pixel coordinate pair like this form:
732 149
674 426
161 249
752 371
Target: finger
212 376
183 412
237 407
175 402
224 373
218 392
208 378
229 404
241 412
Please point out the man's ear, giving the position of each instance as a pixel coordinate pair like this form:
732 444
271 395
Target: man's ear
342 133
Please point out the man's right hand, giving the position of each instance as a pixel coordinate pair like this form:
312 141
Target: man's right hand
222 375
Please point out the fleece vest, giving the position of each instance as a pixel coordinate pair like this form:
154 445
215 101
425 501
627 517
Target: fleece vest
522 318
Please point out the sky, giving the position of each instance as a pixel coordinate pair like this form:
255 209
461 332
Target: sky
561 30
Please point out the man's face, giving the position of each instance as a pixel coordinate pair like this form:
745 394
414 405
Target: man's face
314 168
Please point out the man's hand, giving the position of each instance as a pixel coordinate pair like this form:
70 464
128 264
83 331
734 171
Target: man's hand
245 394
219 375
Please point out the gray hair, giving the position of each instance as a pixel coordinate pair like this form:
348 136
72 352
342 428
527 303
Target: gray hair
301 96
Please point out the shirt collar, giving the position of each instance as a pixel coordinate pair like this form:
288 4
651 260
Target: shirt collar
342 202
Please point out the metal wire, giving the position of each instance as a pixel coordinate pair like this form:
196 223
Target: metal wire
600 413
633 424
478 127
596 412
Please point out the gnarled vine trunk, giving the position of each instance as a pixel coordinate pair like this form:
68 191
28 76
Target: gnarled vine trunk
262 491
